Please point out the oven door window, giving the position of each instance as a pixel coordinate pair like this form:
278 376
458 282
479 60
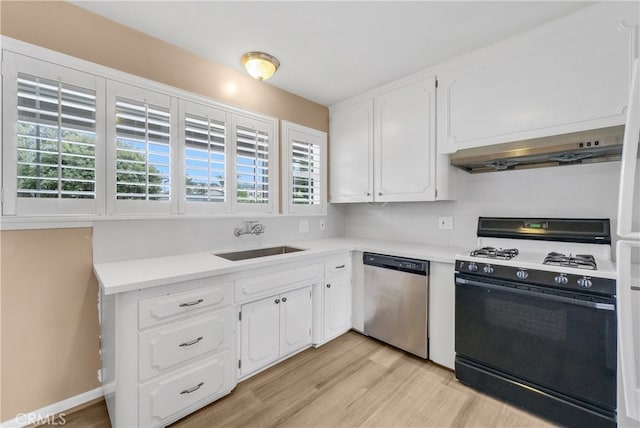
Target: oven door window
566 347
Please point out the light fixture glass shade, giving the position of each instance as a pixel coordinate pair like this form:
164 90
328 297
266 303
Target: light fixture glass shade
260 65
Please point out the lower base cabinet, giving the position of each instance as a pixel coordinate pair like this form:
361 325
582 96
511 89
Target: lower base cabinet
161 399
274 327
337 306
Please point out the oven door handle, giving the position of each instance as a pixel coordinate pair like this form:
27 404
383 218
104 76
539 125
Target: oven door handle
594 305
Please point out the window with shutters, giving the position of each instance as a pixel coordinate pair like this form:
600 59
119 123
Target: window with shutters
305 163
55 151
143 150
205 152
256 165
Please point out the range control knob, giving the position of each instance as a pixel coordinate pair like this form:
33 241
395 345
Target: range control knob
522 274
472 267
584 282
561 279
488 269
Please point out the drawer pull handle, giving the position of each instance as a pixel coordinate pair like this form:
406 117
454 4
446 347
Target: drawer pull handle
195 302
193 342
328 285
341 267
190 390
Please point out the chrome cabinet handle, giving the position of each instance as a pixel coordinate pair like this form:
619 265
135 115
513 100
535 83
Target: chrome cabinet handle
284 299
193 342
277 301
328 285
190 390
195 302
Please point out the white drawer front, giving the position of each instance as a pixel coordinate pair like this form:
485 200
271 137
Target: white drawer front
268 284
337 265
165 308
165 397
177 343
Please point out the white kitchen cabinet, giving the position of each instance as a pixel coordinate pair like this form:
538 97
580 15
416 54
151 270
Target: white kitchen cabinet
274 327
168 350
337 306
570 75
442 314
351 152
404 153
383 146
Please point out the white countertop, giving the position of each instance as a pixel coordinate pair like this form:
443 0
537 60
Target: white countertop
118 277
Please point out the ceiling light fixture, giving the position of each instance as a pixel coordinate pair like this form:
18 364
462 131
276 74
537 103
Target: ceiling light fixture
260 65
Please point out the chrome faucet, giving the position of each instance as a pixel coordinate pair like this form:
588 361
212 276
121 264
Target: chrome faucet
250 227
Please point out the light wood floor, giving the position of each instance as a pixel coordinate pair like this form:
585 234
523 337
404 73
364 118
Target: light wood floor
353 381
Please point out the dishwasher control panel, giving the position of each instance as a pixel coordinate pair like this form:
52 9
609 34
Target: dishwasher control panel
418 267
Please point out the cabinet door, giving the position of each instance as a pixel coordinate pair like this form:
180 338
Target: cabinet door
351 153
260 334
441 314
295 320
404 143
567 78
337 306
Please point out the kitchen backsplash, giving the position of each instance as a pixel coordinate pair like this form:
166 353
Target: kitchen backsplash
135 239
570 191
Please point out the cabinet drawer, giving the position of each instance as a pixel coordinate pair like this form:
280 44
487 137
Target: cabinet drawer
337 265
255 287
177 343
165 308
165 397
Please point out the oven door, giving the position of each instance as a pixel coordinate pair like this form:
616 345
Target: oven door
562 342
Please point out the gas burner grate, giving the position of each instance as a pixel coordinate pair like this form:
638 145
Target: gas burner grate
495 253
581 261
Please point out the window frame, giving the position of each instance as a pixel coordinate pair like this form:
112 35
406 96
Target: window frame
116 206
210 112
270 127
294 132
12 65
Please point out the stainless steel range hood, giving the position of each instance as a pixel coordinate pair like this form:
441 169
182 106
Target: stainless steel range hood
599 145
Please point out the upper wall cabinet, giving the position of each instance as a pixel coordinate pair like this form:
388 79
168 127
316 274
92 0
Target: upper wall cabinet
383 146
567 76
351 152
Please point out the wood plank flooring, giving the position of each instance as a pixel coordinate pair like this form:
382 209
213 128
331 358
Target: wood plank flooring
353 381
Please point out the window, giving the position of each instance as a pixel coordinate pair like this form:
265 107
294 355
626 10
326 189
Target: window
305 162
54 154
205 158
142 139
76 143
255 165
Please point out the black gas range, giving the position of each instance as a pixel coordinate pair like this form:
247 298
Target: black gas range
536 320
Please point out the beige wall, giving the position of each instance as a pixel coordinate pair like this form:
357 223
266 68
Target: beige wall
49 330
49 323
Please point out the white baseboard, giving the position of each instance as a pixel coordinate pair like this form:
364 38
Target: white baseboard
47 414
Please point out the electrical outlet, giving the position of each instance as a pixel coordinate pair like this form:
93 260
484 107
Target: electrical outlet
445 223
303 226
323 225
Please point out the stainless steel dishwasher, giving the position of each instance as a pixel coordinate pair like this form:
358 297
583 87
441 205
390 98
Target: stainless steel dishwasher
395 301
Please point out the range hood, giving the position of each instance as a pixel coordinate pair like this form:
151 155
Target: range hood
599 145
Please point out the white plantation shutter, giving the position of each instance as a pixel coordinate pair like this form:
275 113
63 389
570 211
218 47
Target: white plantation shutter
205 157
305 160
143 151
255 165
54 152
142 163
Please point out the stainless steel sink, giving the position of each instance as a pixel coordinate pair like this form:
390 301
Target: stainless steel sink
259 252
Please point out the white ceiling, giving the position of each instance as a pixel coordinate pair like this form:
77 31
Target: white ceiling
330 51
